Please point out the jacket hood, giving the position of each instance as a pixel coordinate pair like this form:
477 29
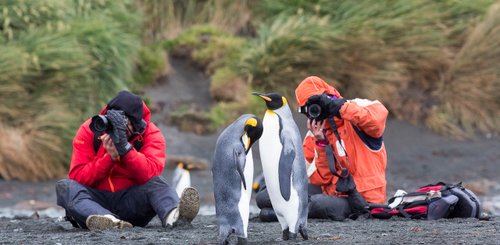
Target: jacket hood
146 112
313 85
133 106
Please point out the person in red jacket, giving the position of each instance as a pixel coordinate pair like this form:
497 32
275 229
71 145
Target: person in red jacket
344 150
114 178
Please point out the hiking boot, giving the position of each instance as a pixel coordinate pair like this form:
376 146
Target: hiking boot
105 222
188 208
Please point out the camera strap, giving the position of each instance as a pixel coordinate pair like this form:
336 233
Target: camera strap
343 169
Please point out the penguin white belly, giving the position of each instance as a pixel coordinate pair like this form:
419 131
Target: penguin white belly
270 151
244 203
183 182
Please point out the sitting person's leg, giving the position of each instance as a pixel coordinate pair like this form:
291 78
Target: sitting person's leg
139 204
323 206
86 207
313 190
266 208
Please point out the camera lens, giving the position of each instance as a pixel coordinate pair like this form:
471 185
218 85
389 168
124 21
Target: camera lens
99 124
314 111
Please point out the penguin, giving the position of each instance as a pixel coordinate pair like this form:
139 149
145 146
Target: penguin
181 177
232 172
283 165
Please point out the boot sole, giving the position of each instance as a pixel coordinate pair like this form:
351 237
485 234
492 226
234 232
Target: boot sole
95 222
189 205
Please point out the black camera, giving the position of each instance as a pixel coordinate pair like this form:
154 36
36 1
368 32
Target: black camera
100 124
313 111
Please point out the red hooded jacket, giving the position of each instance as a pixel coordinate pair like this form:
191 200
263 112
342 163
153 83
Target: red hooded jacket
360 129
99 171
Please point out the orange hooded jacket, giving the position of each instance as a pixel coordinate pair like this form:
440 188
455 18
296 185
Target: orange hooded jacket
99 171
360 129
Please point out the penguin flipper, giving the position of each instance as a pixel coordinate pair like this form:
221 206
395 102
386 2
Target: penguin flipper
239 159
285 168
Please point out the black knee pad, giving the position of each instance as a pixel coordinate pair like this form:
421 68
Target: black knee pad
267 215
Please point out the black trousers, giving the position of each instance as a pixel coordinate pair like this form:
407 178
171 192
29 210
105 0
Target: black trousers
137 204
321 206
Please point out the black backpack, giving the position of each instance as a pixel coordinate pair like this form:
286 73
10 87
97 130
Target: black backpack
431 202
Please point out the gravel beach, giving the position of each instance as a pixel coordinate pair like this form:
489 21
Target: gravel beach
204 231
416 157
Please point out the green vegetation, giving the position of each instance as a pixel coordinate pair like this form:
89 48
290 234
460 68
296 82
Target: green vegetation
167 19
152 63
432 62
469 93
394 51
59 62
206 46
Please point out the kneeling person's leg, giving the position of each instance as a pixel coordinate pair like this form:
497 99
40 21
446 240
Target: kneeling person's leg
263 201
323 206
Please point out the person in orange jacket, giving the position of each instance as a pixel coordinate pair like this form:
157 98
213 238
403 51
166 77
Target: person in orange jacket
115 177
348 161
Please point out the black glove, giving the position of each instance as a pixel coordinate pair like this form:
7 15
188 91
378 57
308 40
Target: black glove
331 106
119 134
356 202
345 184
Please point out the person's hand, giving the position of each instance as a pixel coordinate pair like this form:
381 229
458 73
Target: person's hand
330 105
317 128
119 134
109 146
345 184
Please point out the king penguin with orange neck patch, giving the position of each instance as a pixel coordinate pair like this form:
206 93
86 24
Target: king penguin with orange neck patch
232 172
283 165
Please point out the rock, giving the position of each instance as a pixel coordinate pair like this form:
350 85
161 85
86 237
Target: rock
480 187
196 163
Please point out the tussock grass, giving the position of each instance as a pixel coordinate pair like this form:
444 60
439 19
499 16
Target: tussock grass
399 52
206 46
35 149
167 19
228 86
290 49
469 94
60 61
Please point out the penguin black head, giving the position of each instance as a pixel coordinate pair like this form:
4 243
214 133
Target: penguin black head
253 130
274 101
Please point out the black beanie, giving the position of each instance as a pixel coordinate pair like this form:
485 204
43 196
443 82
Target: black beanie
131 104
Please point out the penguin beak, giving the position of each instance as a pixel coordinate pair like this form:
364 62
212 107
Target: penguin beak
262 96
246 141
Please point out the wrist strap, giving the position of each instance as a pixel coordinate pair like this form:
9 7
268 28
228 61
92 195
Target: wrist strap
322 143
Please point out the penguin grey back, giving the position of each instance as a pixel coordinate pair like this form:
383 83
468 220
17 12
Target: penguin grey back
227 171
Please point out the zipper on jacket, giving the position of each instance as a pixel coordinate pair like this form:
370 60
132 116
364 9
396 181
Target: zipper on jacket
111 186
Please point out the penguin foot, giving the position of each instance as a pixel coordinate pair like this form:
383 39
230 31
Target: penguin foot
303 233
293 236
242 241
286 234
